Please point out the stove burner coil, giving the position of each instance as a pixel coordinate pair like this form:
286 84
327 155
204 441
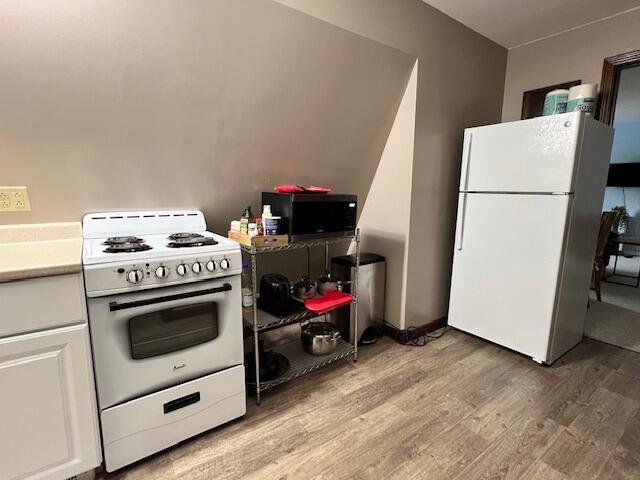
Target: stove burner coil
184 235
127 247
122 240
200 241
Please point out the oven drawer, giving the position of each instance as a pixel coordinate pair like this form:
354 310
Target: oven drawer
141 427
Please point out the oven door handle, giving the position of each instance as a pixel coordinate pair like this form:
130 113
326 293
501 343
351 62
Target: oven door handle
114 306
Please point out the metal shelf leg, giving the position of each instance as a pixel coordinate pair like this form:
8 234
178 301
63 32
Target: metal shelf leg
254 283
355 298
326 256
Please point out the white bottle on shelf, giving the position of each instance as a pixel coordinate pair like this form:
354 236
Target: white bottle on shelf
247 294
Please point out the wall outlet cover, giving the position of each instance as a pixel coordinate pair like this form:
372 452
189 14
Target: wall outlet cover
5 202
14 199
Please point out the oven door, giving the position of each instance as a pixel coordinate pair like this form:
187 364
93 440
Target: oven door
148 340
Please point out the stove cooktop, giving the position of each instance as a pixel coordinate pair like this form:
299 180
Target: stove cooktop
135 236
154 246
131 251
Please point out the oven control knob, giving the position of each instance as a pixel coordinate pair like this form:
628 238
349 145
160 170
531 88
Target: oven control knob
135 276
162 271
224 264
211 266
182 269
196 267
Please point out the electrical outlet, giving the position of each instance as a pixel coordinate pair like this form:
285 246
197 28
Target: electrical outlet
17 200
5 202
14 199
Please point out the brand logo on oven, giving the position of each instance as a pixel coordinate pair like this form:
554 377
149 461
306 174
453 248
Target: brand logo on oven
178 367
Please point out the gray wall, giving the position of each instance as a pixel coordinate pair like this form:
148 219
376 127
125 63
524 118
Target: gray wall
574 55
151 104
460 84
121 104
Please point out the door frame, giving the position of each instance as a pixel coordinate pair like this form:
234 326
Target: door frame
611 68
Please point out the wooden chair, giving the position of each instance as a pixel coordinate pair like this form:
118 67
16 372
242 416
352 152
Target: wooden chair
607 222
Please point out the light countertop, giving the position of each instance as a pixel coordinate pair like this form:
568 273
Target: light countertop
40 250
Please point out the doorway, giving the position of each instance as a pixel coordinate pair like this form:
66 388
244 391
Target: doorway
615 319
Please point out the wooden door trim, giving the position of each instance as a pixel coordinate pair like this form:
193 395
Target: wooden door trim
611 68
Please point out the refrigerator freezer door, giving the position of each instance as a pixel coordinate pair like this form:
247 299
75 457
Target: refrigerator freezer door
536 155
506 268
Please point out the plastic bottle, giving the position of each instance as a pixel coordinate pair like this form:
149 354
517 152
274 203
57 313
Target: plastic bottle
246 219
266 211
247 293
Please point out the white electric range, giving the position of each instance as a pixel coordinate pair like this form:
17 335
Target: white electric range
164 303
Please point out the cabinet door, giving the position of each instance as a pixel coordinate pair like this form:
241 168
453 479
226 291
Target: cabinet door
48 415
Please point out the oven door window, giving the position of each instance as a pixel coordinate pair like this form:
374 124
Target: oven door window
173 329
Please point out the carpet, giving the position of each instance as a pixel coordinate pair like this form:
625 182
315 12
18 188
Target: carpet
616 320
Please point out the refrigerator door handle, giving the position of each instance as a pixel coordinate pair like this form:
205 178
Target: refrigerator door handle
466 161
462 207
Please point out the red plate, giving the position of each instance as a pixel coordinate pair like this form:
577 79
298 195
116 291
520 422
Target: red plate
314 189
288 189
299 189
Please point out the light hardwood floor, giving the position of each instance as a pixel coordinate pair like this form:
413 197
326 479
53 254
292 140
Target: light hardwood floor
459 408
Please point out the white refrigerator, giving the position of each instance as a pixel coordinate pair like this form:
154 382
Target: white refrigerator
528 216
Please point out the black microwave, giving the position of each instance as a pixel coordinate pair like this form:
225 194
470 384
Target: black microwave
307 216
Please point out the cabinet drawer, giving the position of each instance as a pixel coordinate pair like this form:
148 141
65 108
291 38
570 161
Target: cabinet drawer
138 428
42 303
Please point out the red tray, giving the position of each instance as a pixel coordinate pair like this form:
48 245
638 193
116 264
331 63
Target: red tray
330 301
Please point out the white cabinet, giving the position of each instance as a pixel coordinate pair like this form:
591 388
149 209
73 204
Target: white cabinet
48 420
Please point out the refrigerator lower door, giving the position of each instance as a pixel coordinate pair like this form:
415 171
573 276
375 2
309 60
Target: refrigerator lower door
506 268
